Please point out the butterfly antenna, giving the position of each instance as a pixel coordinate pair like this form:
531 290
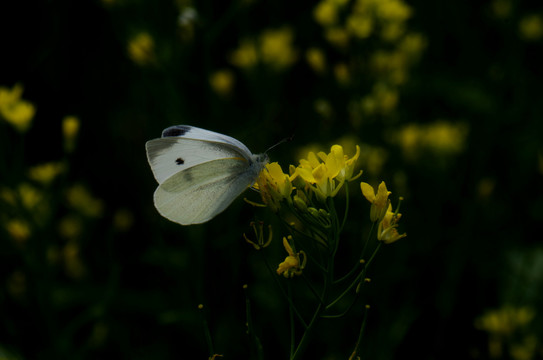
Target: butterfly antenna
280 142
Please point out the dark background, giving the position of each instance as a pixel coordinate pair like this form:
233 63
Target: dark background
129 288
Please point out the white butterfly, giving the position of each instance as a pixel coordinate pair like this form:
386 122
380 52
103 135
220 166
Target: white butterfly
199 172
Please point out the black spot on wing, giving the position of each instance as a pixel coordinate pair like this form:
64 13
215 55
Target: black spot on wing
174 131
179 161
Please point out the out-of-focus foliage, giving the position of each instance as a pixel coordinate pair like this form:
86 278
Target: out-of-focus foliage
444 99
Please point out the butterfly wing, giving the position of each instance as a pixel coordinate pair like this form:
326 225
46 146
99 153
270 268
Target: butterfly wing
170 155
199 193
194 133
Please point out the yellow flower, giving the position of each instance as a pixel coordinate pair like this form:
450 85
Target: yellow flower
322 171
360 25
141 49
18 230
386 231
276 48
292 264
337 36
341 71
274 186
246 55
393 10
379 202
70 129
30 196
79 198
46 173
326 13
221 82
316 59
506 320
14 110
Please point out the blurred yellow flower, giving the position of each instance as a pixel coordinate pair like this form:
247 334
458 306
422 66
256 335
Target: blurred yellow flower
393 10
531 27
392 31
70 227
326 13
18 229
360 25
412 45
276 47
141 49
273 49
505 320
222 81
440 137
123 219
70 129
316 59
73 265
246 55
341 71
79 198
14 110
46 173
501 8
292 265
509 325
379 202
29 196
337 36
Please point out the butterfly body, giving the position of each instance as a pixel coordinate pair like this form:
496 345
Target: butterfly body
200 172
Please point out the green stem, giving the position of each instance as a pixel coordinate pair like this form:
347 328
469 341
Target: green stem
357 265
285 295
346 207
298 353
291 318
357 278
356 350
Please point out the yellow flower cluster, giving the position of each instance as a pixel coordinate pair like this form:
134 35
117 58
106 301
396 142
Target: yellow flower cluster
325 173
307 193
348 24
320 174
46 173
385 17
273 48
440 137
508 327
14 110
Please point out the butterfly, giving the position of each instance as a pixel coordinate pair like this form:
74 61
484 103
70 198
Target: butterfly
199 172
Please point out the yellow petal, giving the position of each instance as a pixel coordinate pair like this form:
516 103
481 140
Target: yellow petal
382 195
368 192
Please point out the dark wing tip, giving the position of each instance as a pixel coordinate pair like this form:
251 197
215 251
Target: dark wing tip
177 130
